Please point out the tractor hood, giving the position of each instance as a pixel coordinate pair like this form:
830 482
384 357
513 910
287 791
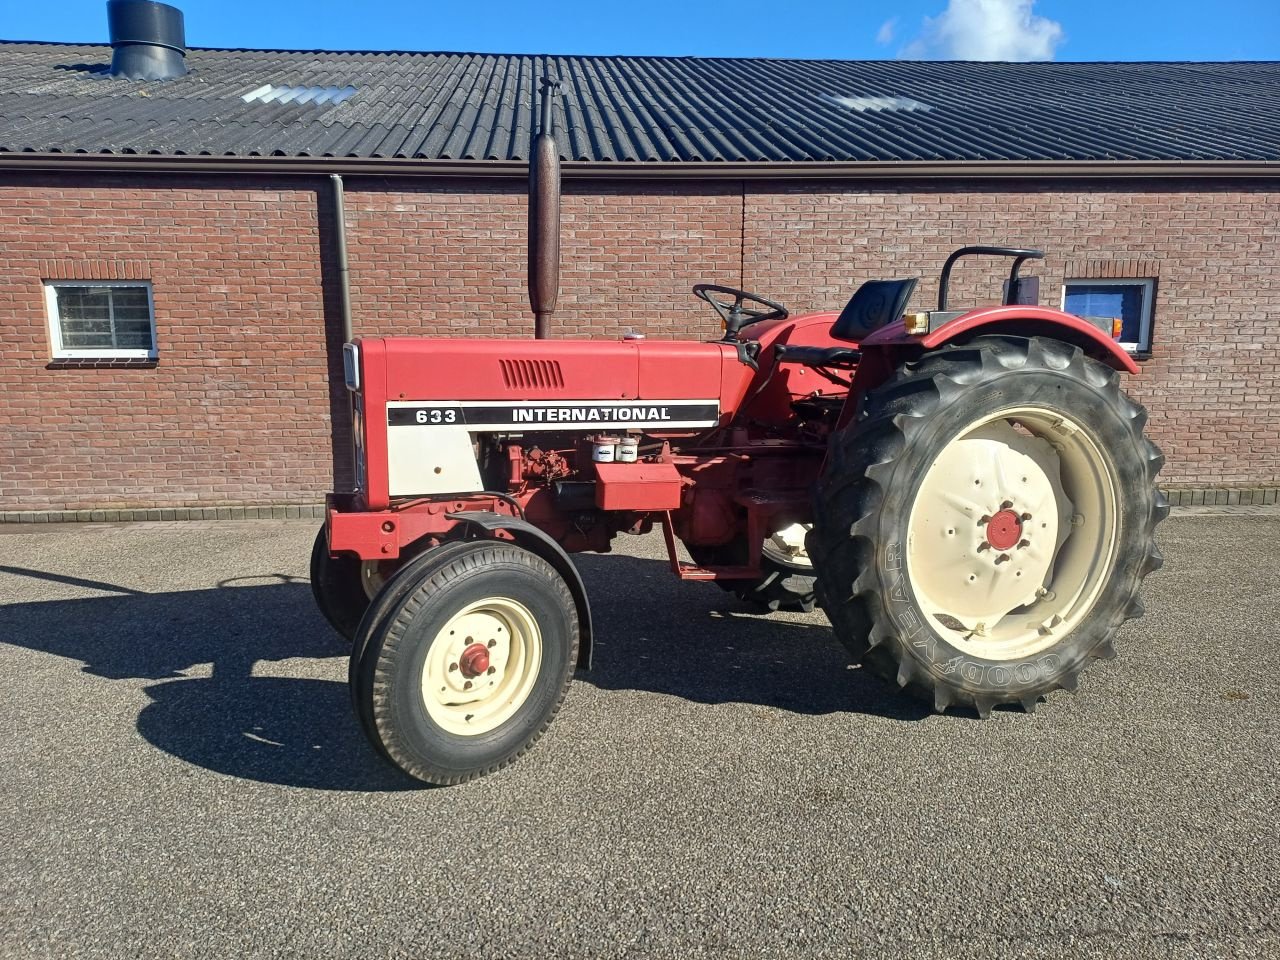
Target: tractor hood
523 371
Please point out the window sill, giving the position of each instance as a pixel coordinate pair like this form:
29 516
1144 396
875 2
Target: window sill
110 363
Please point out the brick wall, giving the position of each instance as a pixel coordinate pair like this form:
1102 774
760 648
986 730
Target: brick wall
238 410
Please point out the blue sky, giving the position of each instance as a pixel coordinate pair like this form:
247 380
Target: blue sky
930 29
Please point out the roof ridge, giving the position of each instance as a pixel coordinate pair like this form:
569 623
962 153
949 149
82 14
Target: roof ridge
1032 64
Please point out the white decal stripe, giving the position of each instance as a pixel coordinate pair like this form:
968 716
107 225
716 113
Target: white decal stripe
552 415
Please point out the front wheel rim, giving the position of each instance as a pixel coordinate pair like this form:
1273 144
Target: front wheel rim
1012 533
481 666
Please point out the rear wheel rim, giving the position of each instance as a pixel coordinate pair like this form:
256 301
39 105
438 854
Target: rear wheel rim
467 692
1013 533
787 546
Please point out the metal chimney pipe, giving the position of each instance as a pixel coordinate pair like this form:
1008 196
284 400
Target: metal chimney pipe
148 40
544 215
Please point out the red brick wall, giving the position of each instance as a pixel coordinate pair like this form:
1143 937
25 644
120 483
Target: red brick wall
450 258
236 410
239 407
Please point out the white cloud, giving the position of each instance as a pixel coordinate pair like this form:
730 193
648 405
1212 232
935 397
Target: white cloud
885 34
986 30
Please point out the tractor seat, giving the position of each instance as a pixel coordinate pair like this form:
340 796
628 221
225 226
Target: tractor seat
875 304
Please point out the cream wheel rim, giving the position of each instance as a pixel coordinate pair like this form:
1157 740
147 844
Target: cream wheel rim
1012 534
788 545
481 666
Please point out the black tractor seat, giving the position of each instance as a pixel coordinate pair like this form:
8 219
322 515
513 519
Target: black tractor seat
872 306
816 356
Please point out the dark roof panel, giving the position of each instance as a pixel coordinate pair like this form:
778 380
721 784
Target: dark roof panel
458 106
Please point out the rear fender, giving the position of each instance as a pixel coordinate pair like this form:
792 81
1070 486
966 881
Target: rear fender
885 349
1018 321
535 541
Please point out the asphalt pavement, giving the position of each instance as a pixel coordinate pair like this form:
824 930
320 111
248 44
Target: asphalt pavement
181 776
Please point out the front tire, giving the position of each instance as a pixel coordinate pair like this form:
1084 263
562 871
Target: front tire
465 665
985 524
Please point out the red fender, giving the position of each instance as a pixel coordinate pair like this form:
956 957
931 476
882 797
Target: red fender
1022 321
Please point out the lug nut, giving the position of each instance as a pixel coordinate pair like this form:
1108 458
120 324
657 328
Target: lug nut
453 667
467 685
491 671
492 644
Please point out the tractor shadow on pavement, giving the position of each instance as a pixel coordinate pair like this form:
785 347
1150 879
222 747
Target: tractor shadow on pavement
243 672
240 687
700 643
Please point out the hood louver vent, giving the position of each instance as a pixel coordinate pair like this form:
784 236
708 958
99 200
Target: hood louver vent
532 374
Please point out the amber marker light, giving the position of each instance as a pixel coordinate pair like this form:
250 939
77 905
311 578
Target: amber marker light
916 324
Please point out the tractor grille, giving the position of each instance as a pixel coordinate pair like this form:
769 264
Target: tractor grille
532 374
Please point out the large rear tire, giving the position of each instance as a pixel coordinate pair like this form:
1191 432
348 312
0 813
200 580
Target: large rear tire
464 660
984 526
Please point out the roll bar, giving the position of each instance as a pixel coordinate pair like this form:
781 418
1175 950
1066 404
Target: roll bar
1020 256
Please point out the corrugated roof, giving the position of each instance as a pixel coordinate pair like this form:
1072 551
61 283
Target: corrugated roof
459 106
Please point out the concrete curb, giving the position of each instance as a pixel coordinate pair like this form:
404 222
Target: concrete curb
271 511
1223 496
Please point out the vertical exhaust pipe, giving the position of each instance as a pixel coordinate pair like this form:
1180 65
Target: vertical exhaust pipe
544 215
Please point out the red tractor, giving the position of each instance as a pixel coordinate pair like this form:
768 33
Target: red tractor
968 495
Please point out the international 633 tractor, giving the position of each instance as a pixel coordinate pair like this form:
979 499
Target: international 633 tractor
968 495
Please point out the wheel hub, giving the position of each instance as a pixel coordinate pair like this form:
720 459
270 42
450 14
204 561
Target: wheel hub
474 660
1004 530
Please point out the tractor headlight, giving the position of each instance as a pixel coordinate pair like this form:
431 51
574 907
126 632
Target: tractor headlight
351 366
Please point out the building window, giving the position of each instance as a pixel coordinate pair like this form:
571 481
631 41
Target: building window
110 320
1128 301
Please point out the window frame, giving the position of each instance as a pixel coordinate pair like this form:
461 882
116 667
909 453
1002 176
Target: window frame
62 352
1142 347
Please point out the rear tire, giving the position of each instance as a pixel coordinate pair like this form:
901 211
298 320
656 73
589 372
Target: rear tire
786 581
464 660
984 526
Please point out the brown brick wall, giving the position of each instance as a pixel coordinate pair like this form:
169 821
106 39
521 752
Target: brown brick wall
238 408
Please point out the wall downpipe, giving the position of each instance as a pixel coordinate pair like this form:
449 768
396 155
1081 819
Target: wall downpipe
339 227
340 238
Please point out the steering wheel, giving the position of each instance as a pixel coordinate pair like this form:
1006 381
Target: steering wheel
734 314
